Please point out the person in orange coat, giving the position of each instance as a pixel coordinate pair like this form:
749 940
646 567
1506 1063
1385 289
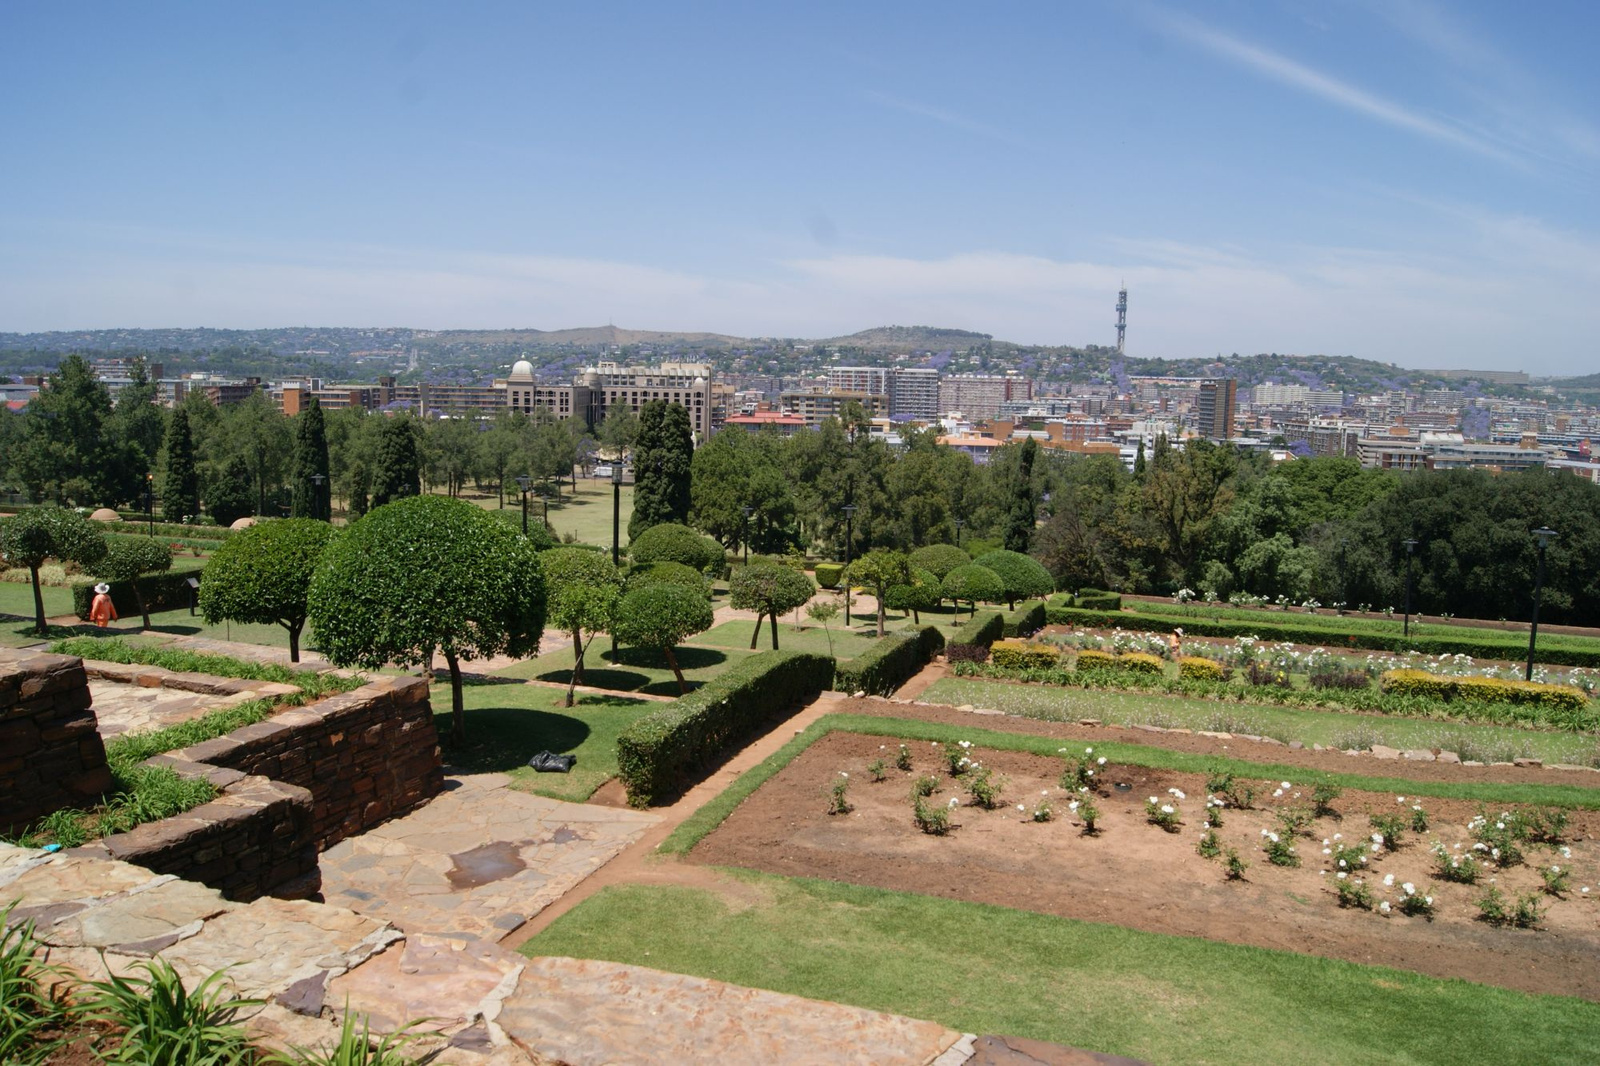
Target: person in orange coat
101 610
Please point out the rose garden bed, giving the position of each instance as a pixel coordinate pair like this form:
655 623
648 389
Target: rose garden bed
1133 873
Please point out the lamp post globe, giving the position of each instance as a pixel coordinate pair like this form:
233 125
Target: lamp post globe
522 483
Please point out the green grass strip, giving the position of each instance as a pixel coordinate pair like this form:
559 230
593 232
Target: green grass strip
116 650
986 969
702 822
136 747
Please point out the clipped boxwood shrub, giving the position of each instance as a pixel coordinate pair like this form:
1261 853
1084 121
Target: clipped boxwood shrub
1138 662
668 574
1023 655
1268 629
1022 575
1025 620
940 559
659 753
1481 689
970 643
162 592
672 543
1095 600
890 662
1197 668
828 574
1090 659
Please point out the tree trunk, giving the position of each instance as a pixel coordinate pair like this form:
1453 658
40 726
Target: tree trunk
144 611
672 661
880 612
774 617
916 619
577 658
38 602
755 634
294 637
458 718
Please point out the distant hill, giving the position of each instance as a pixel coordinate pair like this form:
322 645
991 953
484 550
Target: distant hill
909 338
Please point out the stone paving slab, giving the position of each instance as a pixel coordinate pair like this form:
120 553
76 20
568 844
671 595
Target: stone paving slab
591 1013
130 708
478 860
438 981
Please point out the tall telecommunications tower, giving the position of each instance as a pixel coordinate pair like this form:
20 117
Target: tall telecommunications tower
1122 316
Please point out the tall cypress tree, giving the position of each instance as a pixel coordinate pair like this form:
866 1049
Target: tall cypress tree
1020 515
180 488
360 483
311 499
230 494
399 472
662 453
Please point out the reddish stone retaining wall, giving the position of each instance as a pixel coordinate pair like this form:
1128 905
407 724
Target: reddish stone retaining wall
365 756
50 753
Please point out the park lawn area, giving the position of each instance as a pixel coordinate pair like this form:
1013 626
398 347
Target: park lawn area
587 515
985 969
1486 743
16 597
847 644
636 669
180 623
508 722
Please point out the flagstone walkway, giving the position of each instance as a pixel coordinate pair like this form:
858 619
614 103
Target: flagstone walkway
478 861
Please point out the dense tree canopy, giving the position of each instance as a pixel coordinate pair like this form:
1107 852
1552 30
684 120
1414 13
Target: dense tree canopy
663 452
670 542
662 617
130 558
34 536
263 574
583 590
769 589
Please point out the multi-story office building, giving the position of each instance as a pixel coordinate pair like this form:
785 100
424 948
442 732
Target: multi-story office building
815 405
979 396
873 379
597 389
1214 408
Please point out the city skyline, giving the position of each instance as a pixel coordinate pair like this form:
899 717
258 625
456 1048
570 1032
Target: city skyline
1407 182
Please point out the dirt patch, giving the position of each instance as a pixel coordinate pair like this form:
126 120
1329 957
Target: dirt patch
1134 874
1255 751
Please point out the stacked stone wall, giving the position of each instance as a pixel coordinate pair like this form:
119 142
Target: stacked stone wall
51 755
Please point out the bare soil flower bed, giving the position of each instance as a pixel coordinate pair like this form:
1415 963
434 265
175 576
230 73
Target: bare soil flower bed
1133 873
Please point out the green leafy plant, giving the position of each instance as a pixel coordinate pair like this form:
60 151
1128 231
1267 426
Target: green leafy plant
957 757
166 1024
1209 847
1296 820
1044 810
1556 880
1322 796
839 795
1459 869
1164 814
27 1008
984 786
1279 849
263 574
1524 913
1214 808
926 785
355 1047
1392 827
1084 807
878 769
1353 892
902 759
1343 857
1499 838
1234 865
1415 903
932 819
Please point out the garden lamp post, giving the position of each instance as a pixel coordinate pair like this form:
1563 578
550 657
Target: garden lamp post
849 519
522 483
744 532
544 501
1544 533
316 498
1411 546
150 500
959 523
616 511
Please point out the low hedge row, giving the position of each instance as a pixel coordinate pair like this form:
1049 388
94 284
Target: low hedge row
1135 662
162 592
890 662
971 642
1096 600
1025 620
1206 627
1481 689
1195 668
1023 654
658 753
828 574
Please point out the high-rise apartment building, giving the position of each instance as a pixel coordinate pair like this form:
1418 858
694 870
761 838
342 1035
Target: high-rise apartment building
873 379
1214 408
979 396
914 393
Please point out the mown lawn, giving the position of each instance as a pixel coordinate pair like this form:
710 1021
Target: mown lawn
634 669
736 635
1487 743
509 722
985 969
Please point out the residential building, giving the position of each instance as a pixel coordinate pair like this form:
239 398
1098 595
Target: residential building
873 379
815 405
1214 408
914 393
979 396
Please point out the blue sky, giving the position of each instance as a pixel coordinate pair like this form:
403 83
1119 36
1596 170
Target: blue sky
1407 181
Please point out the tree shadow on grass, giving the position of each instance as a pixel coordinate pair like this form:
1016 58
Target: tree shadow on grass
504 738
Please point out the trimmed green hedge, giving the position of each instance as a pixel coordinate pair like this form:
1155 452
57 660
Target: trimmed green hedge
828 574
1482 689
971 642
890 662
162 592
1025 620
1095 600
1323 637
659 753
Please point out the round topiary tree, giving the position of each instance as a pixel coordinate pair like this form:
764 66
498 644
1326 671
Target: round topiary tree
880 569
263 574
940 559
30 538
128 559
769 589
662 617
973 583
583 592
672 543
668 574
922 593
427 574
1023 576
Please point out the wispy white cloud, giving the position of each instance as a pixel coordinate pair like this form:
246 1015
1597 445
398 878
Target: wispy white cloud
946 118
1286 71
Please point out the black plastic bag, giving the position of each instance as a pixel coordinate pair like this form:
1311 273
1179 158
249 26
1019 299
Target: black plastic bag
547 763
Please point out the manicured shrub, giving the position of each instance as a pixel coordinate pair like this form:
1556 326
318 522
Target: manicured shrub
890 662
1195 668
1023 655
940 558
1090 659
923 593
971 642
1022 576
1095 600
669 542
1025 620
668 574
659 752
1138 662
264 575
1482 689
828 574
162 592
973 583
